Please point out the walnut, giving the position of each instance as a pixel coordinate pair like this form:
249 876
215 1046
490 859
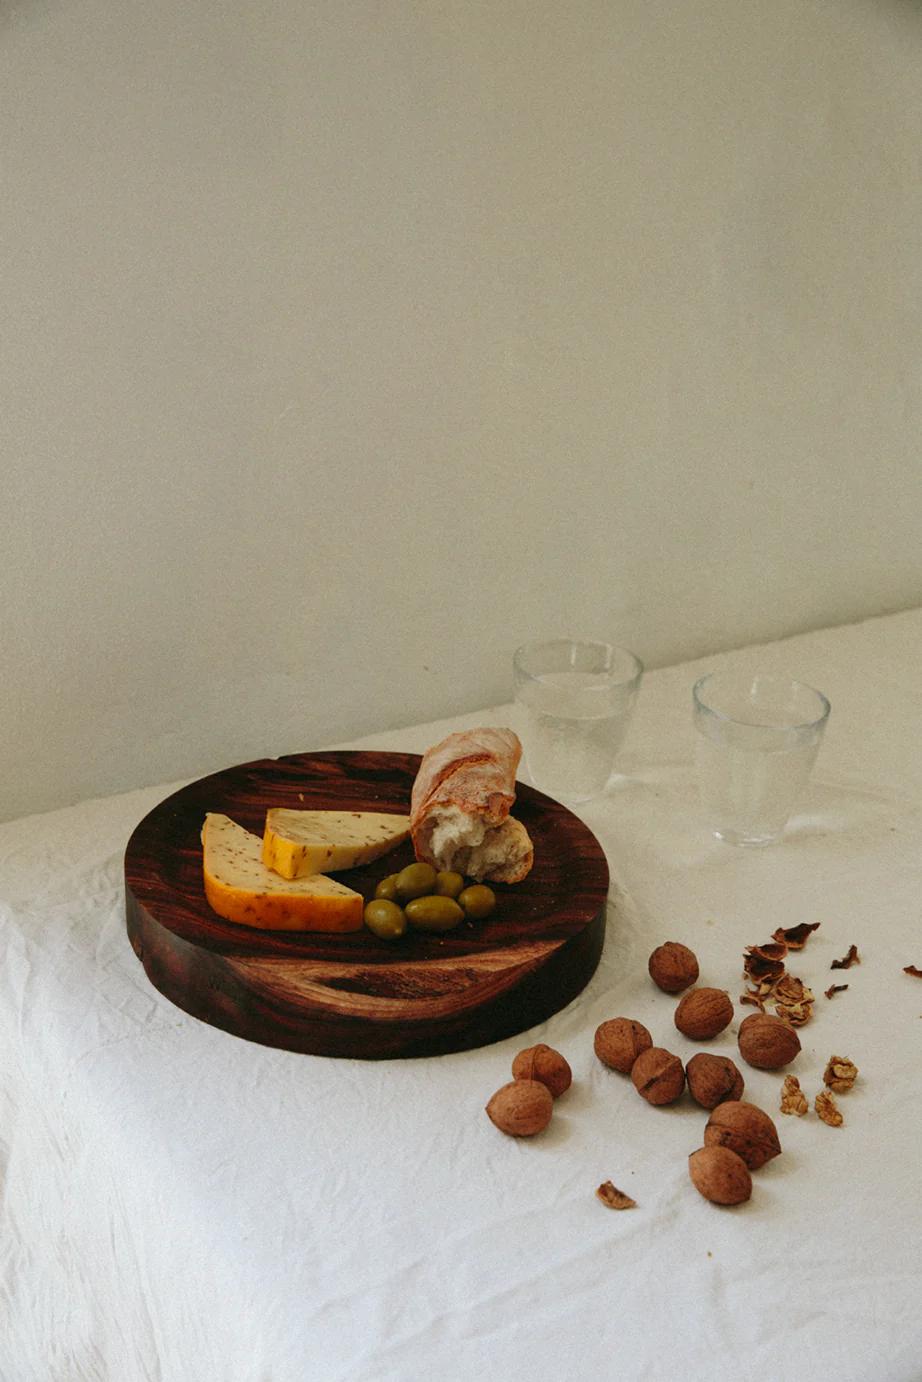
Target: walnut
746 1130
720 1175
619 1041
827 1110
793 1099
766 1042
703 1013
545 1064
658 1076
673 967
521 1108
840 1074
615 1199
712 1079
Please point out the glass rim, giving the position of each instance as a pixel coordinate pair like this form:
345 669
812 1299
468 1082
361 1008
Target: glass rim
637 666
815 723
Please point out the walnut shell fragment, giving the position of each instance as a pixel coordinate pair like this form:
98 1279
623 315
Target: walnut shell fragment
834 989
827 1109
851 958
914 970
614 1198
795 937
840 1074
793 1099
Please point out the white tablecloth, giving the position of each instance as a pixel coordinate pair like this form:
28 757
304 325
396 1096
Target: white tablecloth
181 1205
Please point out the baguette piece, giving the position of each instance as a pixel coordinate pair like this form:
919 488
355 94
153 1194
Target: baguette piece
460 804
299 843
240 888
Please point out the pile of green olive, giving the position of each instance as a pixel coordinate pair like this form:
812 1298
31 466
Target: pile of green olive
425 899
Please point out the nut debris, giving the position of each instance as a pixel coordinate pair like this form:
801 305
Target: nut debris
847 960
827 1110
834 989
614 1198
914 970
793 1099
840 1074
795 937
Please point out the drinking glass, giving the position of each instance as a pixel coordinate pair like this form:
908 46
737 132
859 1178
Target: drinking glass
576 700
758 737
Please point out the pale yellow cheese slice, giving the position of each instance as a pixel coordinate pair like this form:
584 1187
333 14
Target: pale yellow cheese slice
297 843
240 888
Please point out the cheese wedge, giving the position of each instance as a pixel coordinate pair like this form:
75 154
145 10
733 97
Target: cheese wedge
240 888
298 843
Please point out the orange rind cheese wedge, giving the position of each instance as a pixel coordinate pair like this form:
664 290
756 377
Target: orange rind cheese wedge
299 843
240 888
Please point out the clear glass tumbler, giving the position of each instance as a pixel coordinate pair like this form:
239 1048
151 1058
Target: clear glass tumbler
575 702
758 737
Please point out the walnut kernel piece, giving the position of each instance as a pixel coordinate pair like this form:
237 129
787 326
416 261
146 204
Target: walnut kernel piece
826 1109
614 1198
846 962
619 1041
521 1108
793 1099
840 1074
545 1064
673 967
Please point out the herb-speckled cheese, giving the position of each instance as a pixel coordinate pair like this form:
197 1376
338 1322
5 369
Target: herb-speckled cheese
240 888
298 843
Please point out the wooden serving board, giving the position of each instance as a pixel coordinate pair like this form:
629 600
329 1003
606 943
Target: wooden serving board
353 994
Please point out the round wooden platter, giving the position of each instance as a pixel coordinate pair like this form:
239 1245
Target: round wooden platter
353 994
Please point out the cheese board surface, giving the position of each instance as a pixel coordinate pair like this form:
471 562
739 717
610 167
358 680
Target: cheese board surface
352 994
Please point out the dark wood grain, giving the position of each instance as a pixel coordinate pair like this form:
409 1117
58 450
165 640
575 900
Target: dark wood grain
352 994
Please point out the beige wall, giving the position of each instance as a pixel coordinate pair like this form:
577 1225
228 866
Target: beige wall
346 345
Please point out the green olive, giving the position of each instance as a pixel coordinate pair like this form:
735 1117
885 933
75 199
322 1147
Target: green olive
448 883
387 888
415 881
434 913
385 918
478 901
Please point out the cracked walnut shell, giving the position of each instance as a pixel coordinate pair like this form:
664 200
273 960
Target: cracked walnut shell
703 1013
619 1041
545 1064
766 1042
673 967
746 1130
521 1108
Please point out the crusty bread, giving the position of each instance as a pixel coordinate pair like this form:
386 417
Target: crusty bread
459 808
